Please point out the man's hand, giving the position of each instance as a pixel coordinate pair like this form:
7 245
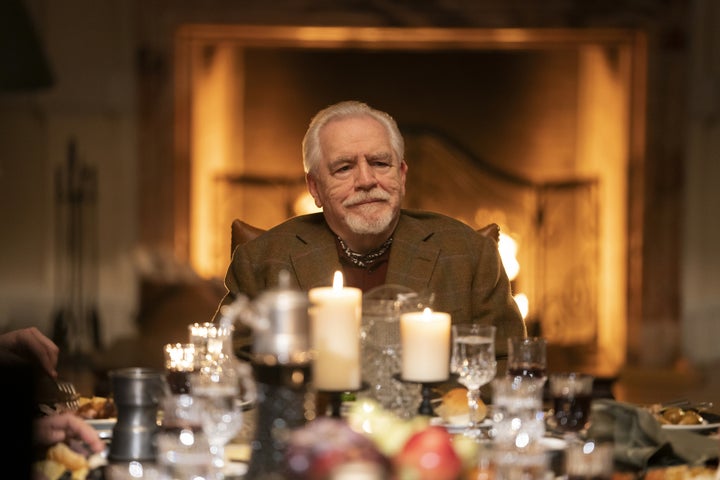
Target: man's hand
52 429
31 344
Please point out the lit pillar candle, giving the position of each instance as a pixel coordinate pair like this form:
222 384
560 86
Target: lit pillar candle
335 313
425 340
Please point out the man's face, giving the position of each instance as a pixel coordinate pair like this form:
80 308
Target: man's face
359 182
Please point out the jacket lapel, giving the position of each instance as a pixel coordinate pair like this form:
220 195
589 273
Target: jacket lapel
413 261
316 262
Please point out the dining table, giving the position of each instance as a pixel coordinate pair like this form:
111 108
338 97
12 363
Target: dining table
643 449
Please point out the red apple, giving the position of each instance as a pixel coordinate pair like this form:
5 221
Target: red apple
315 450
429 455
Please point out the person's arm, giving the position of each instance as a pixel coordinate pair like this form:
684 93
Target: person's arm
493 301
31 344
52 429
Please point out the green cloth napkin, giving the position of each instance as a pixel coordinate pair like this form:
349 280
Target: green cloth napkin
641 442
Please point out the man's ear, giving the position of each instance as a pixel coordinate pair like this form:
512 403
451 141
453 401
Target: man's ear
312 188
403 175
403 169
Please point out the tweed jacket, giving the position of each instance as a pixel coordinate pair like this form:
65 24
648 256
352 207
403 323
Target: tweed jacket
430 253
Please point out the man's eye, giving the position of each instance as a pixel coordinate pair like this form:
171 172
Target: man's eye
342 169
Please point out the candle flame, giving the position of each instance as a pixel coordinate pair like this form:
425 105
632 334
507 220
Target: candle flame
338 280
427 312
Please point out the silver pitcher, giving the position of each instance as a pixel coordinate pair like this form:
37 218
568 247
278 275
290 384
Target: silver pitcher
137 393
279 321
281 362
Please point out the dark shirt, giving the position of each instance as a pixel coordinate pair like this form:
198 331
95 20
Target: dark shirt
18 402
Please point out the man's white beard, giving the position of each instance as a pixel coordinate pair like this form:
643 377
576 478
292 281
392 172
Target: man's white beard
361 225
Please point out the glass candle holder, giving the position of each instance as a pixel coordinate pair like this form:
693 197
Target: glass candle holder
180 362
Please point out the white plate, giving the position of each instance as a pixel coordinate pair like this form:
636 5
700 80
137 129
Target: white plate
457 426
235 469
552 443
104 426
711 421
696 428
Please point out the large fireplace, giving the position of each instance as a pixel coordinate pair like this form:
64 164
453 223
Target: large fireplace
530 129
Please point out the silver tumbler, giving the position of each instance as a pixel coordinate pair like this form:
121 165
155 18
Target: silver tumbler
137 393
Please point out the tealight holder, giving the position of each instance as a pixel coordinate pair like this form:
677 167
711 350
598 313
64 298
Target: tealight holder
179 364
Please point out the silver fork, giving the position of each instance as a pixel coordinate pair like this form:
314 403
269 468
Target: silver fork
687 405
71 396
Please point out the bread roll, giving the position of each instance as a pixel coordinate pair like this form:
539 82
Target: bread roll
80 474
49 469
63 454
454 407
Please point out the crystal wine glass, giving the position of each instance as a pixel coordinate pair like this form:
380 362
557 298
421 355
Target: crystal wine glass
473 360
217 387
223 385
183 452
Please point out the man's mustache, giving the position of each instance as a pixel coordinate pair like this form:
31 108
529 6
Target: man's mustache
366 197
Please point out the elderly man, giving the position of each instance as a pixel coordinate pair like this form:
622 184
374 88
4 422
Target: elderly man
355 170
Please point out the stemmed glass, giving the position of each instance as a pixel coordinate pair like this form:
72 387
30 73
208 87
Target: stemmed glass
223 385
473 360
183 452
217 387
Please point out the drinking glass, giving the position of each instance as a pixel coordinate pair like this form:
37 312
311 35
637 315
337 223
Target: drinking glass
198 335
572 396
527 357
217 388
473 360
513 464
517 404
212 342
183 452
589 460
223 385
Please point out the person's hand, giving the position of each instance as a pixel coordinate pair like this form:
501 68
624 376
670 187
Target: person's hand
52 429
31 344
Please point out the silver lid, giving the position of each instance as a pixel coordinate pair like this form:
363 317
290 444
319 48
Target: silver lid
283 326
